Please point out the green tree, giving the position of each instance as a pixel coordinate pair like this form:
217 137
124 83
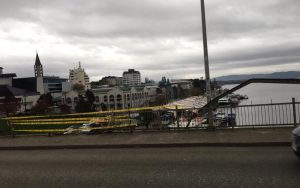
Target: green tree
82 105
78 87
10 105
86 104
65 109
43 103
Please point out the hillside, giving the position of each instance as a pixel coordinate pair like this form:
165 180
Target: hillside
289 74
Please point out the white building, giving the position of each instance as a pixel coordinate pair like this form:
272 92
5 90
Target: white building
26 99
109 98
131 78
78 76
69 96
6 79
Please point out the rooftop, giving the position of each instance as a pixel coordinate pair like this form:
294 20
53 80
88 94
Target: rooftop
130 71
54 79
37 60
9 75
191 102
6 90
25 83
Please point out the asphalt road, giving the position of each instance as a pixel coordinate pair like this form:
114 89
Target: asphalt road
151 167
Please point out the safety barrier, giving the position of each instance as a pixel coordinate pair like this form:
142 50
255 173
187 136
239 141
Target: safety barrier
164 118
111 127
130 110
108 120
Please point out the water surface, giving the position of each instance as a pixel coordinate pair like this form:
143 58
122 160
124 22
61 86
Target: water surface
267 93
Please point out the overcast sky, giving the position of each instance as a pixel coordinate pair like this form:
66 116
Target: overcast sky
157 37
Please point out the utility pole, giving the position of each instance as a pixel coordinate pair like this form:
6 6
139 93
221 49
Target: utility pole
206 65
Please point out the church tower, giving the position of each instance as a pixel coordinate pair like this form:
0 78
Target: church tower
38 67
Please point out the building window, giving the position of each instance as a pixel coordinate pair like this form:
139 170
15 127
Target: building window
111 98
75 99
119 98
69 100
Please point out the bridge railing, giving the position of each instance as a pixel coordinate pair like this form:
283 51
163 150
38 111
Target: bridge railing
230 116
164 118
276 114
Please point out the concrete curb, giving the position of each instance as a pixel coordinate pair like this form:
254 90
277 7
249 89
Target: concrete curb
120 146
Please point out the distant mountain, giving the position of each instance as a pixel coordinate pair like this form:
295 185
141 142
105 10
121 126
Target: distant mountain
237 78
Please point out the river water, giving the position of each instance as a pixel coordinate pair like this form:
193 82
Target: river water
267 93
280 114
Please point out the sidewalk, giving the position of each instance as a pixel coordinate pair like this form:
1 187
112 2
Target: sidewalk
236 137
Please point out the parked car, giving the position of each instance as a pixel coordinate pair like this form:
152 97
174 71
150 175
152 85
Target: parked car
231 120
86 128
296 141
224 120
74 129
166 119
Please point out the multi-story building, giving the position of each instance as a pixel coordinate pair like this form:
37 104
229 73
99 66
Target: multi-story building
53 84
78 76
182 83
152 91
109 98
111 81
131 78
176 89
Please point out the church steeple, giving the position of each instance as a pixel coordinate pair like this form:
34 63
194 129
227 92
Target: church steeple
38 67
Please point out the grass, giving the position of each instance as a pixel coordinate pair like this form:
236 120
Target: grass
4 128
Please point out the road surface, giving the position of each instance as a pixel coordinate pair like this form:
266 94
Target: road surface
151 167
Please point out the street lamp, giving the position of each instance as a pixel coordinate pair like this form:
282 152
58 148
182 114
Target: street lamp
206 66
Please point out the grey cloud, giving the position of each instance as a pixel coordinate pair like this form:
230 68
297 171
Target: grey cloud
137 29
259 52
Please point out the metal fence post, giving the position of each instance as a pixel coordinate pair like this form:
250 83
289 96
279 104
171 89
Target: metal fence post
231 116
294 111
12 129
177 118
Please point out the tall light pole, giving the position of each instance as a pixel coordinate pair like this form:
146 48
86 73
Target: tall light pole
206 65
